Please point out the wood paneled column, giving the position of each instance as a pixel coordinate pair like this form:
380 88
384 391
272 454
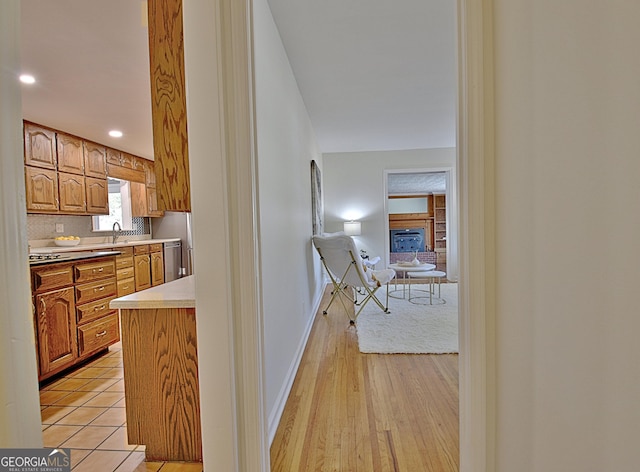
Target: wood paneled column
168 104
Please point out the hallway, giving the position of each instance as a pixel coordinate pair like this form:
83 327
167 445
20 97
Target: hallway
350 411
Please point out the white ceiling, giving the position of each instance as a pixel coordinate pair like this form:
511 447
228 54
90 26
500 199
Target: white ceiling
373 75
91 62
416 183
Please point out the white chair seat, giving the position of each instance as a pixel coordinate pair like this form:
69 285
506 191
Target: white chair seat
349 275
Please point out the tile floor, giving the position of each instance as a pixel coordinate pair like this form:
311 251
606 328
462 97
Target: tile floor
84 411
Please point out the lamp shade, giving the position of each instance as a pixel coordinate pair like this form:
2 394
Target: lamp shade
352 228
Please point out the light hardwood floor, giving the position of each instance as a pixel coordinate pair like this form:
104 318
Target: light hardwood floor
349 411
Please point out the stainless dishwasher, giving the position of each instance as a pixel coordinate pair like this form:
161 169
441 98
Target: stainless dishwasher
172 260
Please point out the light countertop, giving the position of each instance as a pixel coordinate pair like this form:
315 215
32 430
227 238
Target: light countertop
92 246
179 293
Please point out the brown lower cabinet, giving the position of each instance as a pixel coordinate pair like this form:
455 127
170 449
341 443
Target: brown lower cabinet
72 316
142 267
157 264
56 330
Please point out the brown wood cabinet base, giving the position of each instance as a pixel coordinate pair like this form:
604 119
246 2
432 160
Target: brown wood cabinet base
72 316
160 358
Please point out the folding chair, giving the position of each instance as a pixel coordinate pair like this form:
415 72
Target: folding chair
344 266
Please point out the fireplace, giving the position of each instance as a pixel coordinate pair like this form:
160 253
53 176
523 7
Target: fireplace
407 240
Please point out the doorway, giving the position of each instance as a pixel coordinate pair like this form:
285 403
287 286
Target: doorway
423 201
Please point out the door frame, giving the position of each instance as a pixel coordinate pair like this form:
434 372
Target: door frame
476 187
450 190
477 246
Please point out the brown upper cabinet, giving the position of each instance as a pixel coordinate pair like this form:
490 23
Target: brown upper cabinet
39 146
151 191
95 160
70 156
97 196
114 157
42 190
72 193
149 174
126 160
67 174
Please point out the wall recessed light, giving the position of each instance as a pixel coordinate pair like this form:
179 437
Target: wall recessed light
27 79
114 133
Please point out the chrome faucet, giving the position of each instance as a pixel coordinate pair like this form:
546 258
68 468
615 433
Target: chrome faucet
116 232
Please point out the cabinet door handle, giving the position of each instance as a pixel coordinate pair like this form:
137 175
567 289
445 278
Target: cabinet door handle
101 269
99 289
98 308
44 305
101 333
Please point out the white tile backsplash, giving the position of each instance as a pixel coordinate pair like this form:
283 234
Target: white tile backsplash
44 226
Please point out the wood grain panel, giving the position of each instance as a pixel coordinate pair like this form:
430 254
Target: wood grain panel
95 270
42 190
93 310
126 286
96 290
160 357
39 146
48 278
70 156
169 106
123 262
56 327
98 334
124 173
95 160
138 199
142 271
73 195
97 195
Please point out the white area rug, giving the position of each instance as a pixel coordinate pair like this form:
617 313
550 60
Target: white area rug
410 328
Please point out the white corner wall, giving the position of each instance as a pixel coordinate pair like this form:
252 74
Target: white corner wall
355 188
20 422
567 101
291 273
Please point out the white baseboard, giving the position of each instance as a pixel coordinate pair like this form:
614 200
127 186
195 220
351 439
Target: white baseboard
276 413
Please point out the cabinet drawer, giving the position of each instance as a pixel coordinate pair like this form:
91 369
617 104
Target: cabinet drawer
123 261
126 286
52 277
91 311
125 273
155 247
124 251
95 270
98 334
142 249
95 290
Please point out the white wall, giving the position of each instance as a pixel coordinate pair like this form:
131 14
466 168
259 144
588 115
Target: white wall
354 188
20 423
568 235
291 273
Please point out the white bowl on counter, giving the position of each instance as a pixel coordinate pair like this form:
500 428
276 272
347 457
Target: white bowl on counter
66 242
